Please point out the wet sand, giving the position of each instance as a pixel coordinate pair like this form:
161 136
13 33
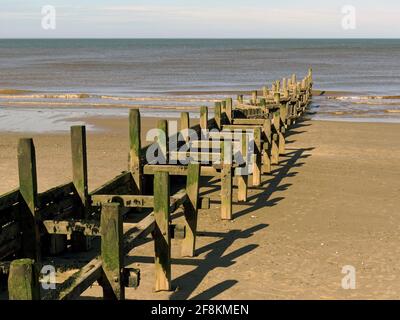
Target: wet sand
332 202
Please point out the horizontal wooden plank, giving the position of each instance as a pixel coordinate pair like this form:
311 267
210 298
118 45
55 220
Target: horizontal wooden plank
9 232
9 248
80 281
128 201
259 122
196 156
55 194
87 227
9 199
181 170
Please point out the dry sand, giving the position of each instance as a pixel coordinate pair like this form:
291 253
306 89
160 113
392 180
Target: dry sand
332 202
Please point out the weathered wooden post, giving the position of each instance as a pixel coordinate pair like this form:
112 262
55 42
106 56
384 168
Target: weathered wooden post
265 92
242 179
229 106
161 233
226 180
240 99
185 125
275 138
266 161
23 280
294 79
257 157
204 118
277 97
135 165
254 95
79 242
28 215
112 254
162 140
217 115
224 117
190 208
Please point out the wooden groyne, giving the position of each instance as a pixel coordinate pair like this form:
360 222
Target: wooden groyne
34 226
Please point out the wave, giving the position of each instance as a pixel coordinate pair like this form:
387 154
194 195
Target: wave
13 94
352 98
92 104
47 96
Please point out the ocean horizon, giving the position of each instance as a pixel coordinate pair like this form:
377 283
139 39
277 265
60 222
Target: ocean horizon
166 74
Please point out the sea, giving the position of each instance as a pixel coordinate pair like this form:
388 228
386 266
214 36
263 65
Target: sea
47 84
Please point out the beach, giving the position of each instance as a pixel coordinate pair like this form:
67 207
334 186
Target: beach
332 202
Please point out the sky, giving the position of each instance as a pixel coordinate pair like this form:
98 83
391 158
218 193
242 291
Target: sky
201 19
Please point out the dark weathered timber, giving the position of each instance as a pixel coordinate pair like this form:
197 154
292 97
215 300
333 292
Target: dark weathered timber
190 212
135 146
28 218
161 233
23 280
112 254
226 180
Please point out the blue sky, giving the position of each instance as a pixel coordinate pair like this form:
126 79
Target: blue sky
200 19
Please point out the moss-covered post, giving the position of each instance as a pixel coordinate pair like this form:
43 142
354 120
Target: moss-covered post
80 179
265 92
267 132
229 106
190 206
23 280
162 140
226 180
218 115
112 254
257 157
275 139
135 165
224 117
242 178
161 233
28 215
254 95
203 118
185 125
294 79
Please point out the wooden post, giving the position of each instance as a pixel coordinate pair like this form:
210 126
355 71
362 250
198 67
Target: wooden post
294 79
243 178
185 125
240 99
277 97
254 95
28 219
162 139
217 114
229 106
275 139
257 157
226 180
204 118
224 117
112 254
266 160
80 179
161 233
192 190
23 280
265 92
135 165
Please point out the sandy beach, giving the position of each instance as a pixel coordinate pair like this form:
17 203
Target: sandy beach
333 201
